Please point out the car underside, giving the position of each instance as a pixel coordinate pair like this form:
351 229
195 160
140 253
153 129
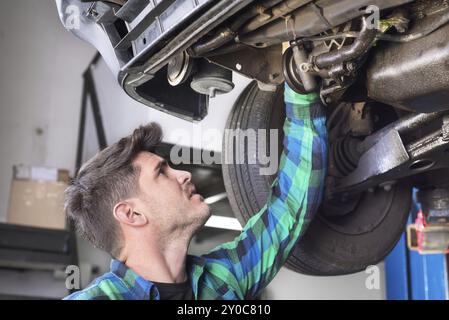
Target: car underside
381 68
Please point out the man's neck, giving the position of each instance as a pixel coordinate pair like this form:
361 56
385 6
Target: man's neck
158 261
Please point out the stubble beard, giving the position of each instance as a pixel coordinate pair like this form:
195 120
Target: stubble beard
199 219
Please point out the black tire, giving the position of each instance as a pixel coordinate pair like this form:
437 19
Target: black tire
330 246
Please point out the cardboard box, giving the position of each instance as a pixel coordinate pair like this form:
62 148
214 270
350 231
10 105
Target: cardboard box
35 173
37 197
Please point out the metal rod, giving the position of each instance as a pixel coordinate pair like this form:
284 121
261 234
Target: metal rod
102 142
278 11
228 33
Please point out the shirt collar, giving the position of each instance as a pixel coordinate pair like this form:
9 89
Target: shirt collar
144 289
141 288
195 268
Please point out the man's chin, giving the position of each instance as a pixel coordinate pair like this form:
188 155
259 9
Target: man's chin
209 212
205 212
202 214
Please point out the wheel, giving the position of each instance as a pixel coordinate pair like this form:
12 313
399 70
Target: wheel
334 244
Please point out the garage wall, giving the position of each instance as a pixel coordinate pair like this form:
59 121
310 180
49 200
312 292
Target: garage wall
40 90
40 85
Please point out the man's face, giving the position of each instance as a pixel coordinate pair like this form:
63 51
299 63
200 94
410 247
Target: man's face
167 196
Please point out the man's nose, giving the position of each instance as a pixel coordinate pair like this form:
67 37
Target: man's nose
183 176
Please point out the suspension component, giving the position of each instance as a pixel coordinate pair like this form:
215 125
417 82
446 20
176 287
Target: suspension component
297 69
345 155
211 79
179 69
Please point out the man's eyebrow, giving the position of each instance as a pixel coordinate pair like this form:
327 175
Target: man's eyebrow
160 164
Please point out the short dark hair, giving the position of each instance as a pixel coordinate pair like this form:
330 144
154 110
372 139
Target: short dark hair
102 182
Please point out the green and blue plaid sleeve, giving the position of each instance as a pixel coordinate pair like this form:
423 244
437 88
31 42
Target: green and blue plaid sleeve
247 264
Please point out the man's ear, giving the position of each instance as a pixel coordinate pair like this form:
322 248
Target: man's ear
124 213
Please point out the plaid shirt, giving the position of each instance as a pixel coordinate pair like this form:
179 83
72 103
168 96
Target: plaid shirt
242 268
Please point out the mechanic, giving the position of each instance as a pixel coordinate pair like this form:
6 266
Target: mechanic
128 201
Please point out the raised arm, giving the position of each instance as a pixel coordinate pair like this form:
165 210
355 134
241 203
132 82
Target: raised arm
257 254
